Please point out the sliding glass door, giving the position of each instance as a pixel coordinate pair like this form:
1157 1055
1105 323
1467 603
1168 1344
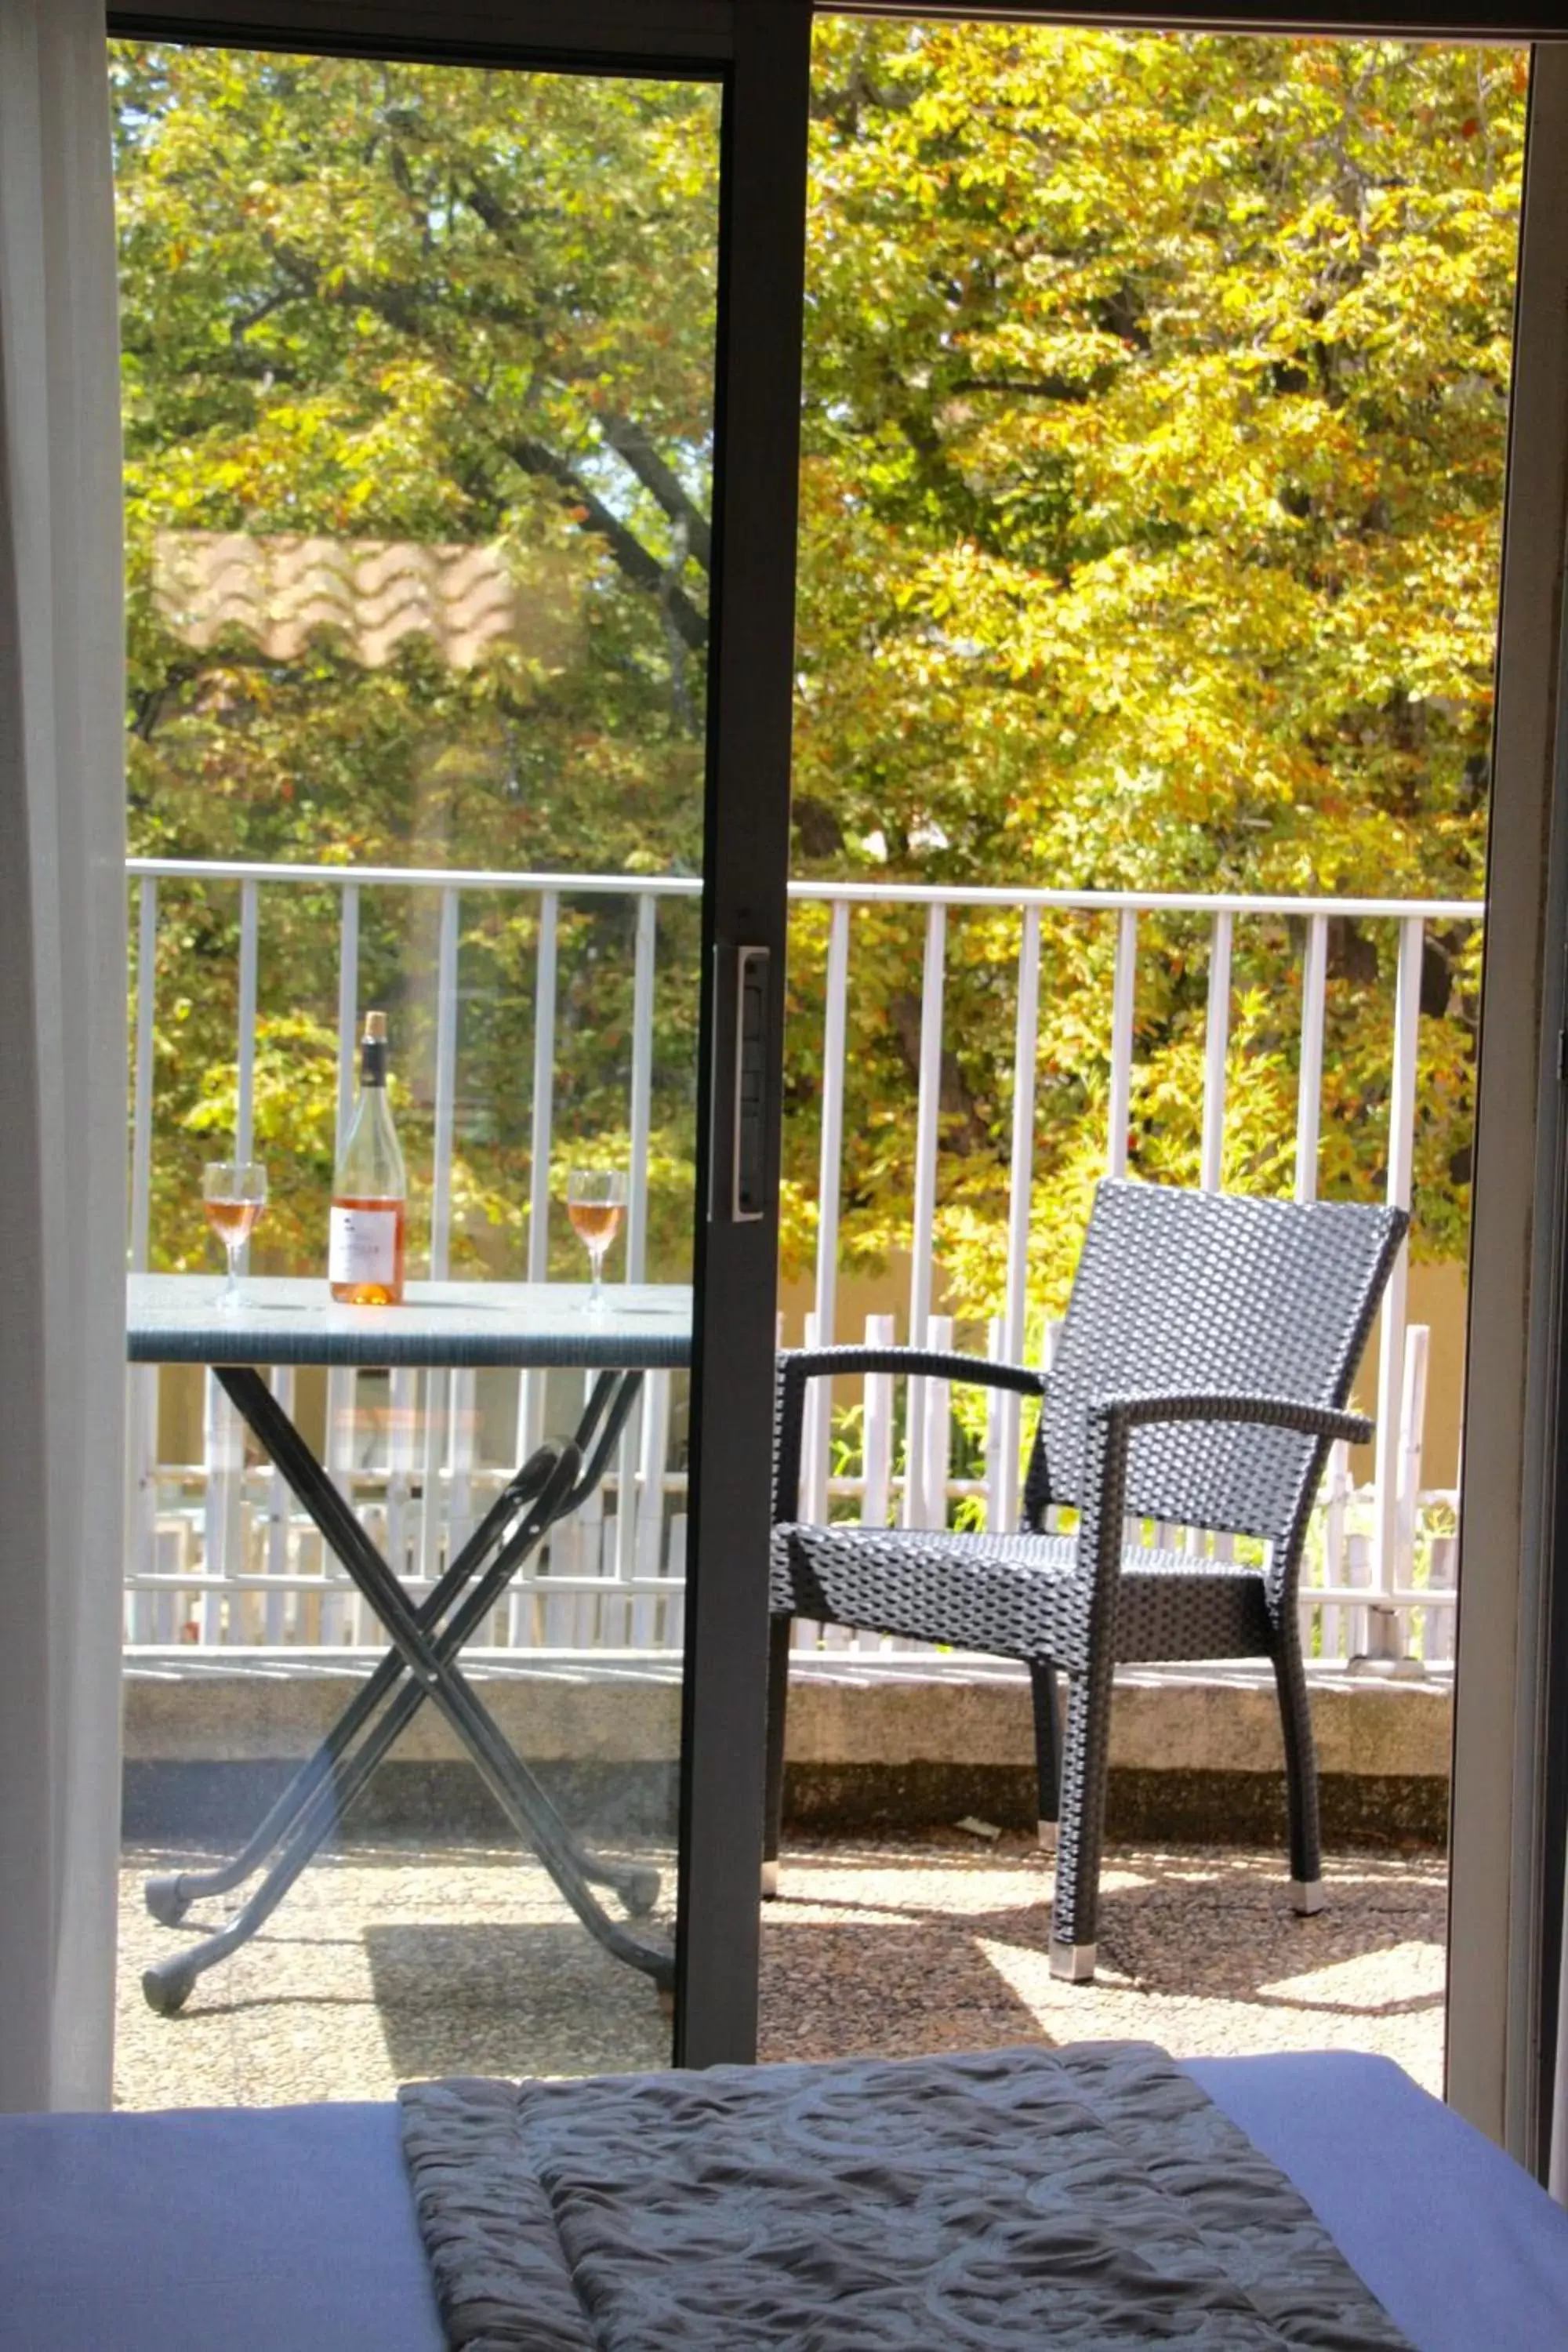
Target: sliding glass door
461 481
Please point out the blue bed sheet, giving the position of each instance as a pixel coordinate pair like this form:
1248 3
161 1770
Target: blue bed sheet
1460 2247
260 2230
291 2229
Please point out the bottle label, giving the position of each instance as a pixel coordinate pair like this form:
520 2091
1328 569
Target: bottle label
363 1245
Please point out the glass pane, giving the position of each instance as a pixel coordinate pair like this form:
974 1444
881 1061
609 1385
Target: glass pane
419 393
1154 443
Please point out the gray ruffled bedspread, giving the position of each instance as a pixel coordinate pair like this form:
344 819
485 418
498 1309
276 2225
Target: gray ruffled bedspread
1031 2198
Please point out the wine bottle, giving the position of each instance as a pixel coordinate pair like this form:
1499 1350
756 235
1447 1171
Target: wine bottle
370 1190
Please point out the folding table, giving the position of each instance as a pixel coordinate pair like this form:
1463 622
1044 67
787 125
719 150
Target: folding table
441 1326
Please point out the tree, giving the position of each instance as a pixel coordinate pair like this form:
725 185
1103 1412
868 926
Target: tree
420 305
1156 431
1154 440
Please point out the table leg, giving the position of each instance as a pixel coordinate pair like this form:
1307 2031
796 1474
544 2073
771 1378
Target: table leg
168 1984
317 1798
170 1893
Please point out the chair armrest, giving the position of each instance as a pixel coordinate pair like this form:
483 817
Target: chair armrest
802 1364
1139 1411
1113 1419
796 1366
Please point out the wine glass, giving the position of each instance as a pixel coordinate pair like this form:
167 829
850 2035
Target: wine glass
234 1193
595 1198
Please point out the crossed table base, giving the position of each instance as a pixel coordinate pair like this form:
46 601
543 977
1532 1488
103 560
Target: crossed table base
426 1642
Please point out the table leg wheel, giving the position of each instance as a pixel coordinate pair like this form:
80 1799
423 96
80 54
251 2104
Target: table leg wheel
638 1890
166 1899
168 1987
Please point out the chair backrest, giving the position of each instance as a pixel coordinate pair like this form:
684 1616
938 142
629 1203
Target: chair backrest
1181 1291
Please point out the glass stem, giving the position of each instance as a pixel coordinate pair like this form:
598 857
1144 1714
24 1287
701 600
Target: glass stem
597 1288
231 1290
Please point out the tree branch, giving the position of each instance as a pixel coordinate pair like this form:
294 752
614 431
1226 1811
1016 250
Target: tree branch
643 570
634 448
240 327
399 308
1045 387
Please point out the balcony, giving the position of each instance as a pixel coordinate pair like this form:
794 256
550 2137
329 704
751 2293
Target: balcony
217 1558
402 1957
243 1644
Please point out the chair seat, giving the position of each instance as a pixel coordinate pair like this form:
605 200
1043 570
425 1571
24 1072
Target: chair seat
1015 1596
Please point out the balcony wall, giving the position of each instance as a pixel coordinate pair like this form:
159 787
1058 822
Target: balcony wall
874 1745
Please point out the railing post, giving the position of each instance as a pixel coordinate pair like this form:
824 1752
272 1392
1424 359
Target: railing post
402 1414
340 1380
814 1469
927 1136
1309 1085
1002 1510
938 1461
245 1059
641 1105
653 1460
628 1499
347 1005
278 1499
141 1129
830 1156
343 1399
1437 1630
531 1386
543 1088
446 1087
1001 1439
438 1384
1412 1429
641 1631
877 1433
223 1504
1123 1004
142 1380
1382 1621
1337 1490
813 1435
226 1516
1215 1049
464 1431
147 1609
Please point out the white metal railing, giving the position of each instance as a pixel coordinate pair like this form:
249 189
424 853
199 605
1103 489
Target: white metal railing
207 1537
1339 1592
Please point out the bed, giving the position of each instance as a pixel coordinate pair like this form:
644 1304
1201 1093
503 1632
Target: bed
293 2229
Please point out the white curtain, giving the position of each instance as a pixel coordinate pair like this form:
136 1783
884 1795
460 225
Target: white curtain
62 1059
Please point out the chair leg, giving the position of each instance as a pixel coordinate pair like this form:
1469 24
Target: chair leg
779 1631
1300 1772
1085 1765
1047 1752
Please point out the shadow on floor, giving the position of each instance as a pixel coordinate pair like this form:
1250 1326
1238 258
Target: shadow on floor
398 1960
932 1948
503 1998
896 1988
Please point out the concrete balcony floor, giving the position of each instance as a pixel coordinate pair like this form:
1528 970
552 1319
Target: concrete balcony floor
395 1959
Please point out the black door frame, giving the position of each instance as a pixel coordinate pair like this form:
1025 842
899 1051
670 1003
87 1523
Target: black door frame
1508 1939
759 51
1507 1918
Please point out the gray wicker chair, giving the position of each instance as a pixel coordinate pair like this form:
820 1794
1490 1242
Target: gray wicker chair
1199 1379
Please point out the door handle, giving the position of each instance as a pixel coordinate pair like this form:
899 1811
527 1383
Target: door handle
748 1163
